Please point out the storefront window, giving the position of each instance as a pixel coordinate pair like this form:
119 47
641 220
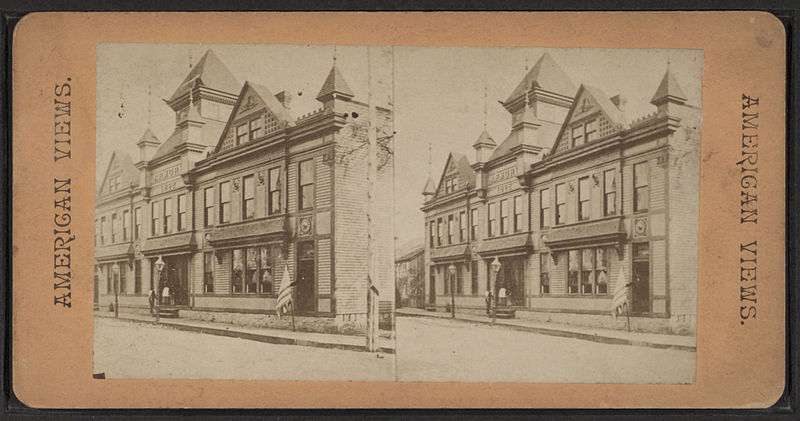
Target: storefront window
208 272
137 277
460 279
587 266
252 275
237 271
544 273
574 265
602 271
474 275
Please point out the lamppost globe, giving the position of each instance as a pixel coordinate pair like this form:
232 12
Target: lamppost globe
496 265
159 264
115 271
159 268
452 270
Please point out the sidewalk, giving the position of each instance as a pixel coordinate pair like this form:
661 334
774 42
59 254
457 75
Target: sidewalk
273 336
608 336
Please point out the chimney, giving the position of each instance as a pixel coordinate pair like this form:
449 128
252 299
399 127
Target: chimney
619 101
285 98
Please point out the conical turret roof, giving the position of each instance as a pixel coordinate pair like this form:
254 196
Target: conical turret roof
209 72
484 139
334 83
430 187
547 75
668 89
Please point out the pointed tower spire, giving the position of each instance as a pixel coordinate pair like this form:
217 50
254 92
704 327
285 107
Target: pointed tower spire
334 87
668 94
149 104
430 187
485 104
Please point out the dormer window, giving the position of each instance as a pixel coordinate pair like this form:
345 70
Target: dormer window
450 185
247 132
584 133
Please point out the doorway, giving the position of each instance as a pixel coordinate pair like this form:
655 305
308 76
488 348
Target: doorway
640 285
432 286
175 275
306 301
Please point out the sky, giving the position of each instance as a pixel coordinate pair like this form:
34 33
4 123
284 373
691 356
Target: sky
439 93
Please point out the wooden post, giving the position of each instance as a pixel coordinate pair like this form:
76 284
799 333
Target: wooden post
292 305
372 173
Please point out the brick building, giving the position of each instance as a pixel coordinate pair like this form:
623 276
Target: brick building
240 190
576 199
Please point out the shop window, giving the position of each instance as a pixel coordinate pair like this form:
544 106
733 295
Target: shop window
462 226
248 197
574 268
208 206
584 199
561 204
126 225
252 270
167 215
544 208
492 227
137 276
182 212
587 267
544 273
602 271
609 192
137 223
269 263
451 229
154 218
306 184
517 213
208 272
475 219
274 191
474 277
224 202
237 271
641 195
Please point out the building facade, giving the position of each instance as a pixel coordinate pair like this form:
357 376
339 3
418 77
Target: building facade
410 278
243 189
576 200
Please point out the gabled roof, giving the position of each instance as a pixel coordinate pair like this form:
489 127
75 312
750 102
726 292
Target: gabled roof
334 83
546 75
668 89
484 139
129 172
545 131
278 110
612 113
209 72
463 168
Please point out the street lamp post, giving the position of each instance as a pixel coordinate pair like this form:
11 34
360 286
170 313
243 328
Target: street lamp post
495 269
452 270
115 270
159 268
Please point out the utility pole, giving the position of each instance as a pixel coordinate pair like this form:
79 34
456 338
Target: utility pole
372 173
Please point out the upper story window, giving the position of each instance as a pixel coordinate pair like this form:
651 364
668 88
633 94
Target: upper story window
451 229
248 197
154 218
224 202
242 134
641 196
450 185
137 223
432 234
208 205
517 213
255 129
96 231
439 231
274 199
584 133
492 227
126 224
609 192
306 196
462 226
167 215
102 230
182 221
561 204
474 219
504 216
584 199
544 208
249 131
113 228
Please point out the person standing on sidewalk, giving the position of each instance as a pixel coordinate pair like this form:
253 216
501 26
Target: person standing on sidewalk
152 298
488 302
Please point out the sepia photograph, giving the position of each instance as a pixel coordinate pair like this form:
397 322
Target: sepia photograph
388 213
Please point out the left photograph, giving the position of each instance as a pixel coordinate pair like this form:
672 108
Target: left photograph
243 216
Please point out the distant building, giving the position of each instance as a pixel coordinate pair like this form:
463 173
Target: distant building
410 278
573 201
242 189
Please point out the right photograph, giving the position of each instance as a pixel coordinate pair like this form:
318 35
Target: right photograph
546 208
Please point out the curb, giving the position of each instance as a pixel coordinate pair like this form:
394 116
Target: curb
567 334
279 340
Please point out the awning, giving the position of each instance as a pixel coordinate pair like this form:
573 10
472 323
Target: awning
176 243
236 234
513 244
123 251
596 233
450 254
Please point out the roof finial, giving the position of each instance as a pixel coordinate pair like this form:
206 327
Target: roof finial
668 64
485 105
526 64
429 159
149 103
334 54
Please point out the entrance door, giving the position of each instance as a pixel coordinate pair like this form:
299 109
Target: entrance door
176 276
641 287
512 278
305 286
432 286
